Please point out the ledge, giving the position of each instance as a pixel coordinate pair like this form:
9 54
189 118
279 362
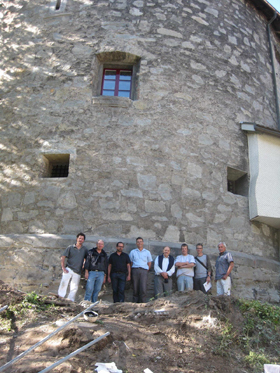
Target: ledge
112 101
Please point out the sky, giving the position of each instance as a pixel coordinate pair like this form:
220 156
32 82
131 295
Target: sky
275 3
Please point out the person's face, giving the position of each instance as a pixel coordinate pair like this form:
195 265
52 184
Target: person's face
80 240
166 251
221 248
100 245
140 244
120 247
185 250
199 250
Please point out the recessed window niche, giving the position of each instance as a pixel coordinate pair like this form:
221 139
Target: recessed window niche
56 165
237 181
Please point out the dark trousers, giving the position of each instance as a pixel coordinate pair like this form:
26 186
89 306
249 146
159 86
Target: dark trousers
198 284
118 285
162 287
139 281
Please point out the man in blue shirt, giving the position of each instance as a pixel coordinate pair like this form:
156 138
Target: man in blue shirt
141 260
224 265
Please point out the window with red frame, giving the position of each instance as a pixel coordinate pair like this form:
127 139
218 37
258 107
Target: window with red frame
116 82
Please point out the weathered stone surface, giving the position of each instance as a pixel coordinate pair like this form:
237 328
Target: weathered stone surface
155 165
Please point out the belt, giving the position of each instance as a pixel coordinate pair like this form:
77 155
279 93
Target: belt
119 273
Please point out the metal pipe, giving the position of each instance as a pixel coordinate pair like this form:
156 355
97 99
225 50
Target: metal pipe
74 353
44 340
273 70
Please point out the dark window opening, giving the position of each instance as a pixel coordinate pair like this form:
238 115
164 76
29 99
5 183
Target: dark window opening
116 82
58 4
237 182
56 165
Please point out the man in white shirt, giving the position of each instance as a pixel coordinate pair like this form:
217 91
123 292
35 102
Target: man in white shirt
185 264
164 268
141 260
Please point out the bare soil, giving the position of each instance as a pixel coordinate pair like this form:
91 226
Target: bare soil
185 332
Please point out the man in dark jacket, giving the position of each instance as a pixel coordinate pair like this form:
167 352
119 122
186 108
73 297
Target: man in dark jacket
95 271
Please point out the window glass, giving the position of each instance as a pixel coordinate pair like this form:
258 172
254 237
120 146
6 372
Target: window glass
110 74
124 86
124 94
125 75
108 84
108 93
116 82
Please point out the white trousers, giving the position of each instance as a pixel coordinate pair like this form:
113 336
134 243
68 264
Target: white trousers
74 284
224 286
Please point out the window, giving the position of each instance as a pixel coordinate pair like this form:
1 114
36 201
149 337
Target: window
237 182
117 82
115 74
56 165
58 4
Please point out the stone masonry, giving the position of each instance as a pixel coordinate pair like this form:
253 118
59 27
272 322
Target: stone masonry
153 166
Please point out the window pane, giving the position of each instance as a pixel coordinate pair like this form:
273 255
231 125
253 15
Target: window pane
124 86
108 93
124 94
110 74
125 75
108 84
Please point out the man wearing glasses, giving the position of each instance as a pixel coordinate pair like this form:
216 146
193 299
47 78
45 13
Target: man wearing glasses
119 272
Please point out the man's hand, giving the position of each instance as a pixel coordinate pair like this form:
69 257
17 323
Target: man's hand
65 270
86 274
104 281
164 275
128 278
225 277
109 279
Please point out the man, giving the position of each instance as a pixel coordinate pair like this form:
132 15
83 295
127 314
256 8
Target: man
185 264
203 269
75 255
141 260
119 272
164 268
224 266
96 266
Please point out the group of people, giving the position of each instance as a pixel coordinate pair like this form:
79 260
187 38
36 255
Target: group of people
193 273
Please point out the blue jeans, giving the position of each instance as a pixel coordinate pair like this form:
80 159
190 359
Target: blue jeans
184 283
118 286
94 285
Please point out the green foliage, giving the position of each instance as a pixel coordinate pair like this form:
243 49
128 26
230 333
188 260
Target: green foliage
256 360
226 339
263 311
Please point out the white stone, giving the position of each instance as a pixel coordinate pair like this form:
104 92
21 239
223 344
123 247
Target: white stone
7 215
132 193
67 201
154 206
165 191
167 32
172 234
147 182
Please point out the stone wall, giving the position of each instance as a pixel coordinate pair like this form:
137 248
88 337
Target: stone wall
32 263
154 166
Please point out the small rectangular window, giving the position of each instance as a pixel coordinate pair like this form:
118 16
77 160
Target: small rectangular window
56 165
237 182
116 82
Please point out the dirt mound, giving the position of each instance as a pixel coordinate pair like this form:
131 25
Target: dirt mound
185 332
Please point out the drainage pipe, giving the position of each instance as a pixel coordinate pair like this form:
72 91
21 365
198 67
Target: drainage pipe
273 70
74 353
45 339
